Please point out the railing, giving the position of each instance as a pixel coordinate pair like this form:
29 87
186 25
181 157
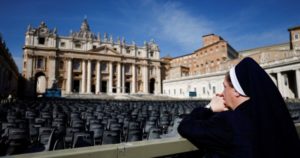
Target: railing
141 149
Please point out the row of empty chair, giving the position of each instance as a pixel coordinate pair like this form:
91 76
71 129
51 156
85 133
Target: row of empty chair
40 125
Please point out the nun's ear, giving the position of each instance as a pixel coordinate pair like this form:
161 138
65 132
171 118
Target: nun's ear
236 93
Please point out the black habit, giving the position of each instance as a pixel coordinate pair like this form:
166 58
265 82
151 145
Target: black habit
258 128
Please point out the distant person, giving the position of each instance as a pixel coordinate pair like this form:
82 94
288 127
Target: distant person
9 98
248 120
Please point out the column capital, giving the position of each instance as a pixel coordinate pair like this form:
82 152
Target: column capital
52 57
30 55
68 58
89 77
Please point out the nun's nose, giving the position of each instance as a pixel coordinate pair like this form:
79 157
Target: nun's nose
220 94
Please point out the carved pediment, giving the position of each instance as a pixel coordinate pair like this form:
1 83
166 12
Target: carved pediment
106 50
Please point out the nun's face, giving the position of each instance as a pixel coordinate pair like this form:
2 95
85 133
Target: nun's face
229 94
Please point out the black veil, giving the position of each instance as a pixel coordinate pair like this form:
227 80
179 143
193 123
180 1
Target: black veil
275 134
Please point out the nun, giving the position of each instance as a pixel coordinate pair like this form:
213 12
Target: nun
248 120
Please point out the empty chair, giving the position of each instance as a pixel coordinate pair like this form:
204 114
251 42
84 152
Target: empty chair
154 133
34 131
97 130
93 121
82 139
40 121
148 126
111 121
30 115
58 122
45 130
18 141
115 127
134 135
46 115
75 115
69 136
46 138
22 123
111 137
44 134
133 125
78 124
11 118
6 126
172 130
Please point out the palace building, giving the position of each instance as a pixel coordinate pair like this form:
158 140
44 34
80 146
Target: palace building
8 72
201 73
85 63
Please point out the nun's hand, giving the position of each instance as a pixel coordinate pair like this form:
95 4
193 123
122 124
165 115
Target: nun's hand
217 104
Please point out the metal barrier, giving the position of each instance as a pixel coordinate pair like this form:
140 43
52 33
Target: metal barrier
144 149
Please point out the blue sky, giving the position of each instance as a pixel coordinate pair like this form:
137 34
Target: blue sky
177 26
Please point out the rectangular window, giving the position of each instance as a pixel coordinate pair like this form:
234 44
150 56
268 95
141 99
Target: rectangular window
296 36
151 71
40 63
127 69
103 67
93 66
203 90
77 45
114 68
42 40
94 47
174 91
62 44
151 54
139 70
214 90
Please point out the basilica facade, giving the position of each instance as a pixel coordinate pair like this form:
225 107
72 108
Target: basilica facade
85 63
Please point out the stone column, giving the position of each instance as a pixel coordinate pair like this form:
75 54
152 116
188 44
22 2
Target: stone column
110 80
146 79
83 76
98 77
89 76
29 67
158 80
69 77
298 82
133 87
273 78
119 78
123 78
280 83
52 71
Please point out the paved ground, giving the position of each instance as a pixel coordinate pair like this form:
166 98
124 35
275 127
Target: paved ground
121 96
